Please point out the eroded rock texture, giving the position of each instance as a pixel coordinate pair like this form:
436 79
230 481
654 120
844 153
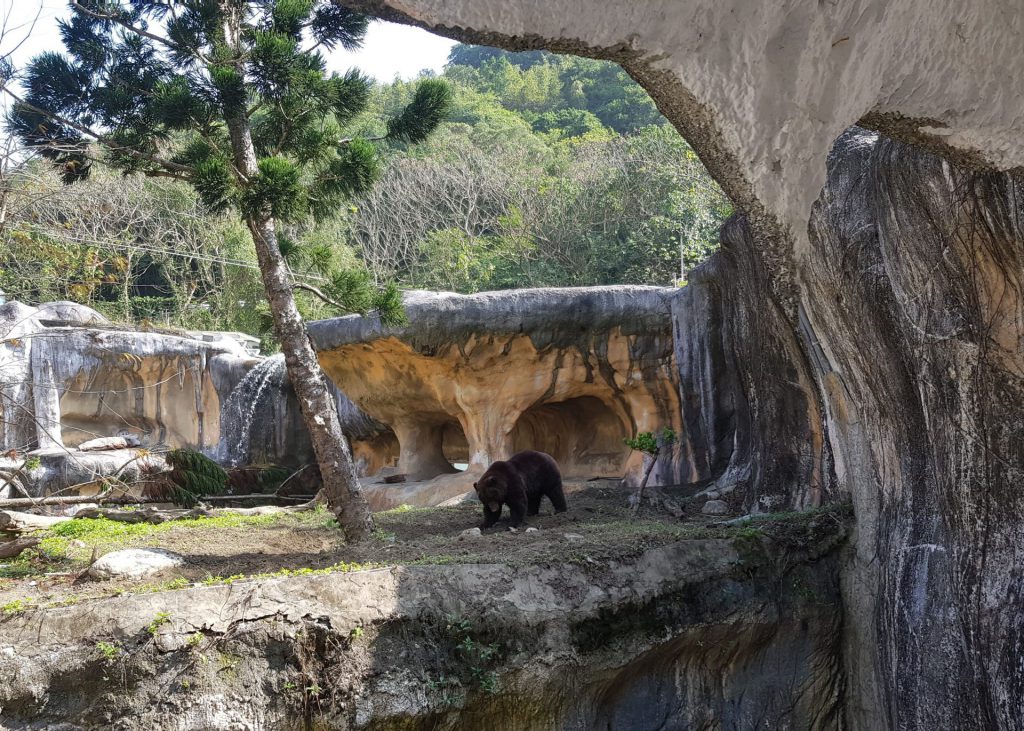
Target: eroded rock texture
697 634
905 355
477 378
751 412
913 293
68 377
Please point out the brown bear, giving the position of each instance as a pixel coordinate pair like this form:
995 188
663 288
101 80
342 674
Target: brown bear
520 482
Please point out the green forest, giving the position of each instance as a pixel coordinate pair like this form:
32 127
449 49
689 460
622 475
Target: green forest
548 171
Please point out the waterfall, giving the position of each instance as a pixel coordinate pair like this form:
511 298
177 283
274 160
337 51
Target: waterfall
261 423
256 400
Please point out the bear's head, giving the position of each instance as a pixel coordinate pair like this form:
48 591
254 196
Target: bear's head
491 489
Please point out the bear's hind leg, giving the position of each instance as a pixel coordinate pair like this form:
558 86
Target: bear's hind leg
557 497
533 503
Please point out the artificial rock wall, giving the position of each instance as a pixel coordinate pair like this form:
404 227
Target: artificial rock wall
891 292
476 378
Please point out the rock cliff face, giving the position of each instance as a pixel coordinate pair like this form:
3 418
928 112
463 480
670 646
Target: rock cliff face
887 299
68 376
914 307
697 634
899 385
477 378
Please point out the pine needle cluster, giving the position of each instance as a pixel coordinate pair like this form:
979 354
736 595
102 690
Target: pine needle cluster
193 476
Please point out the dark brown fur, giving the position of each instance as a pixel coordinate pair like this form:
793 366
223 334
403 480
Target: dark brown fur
520 482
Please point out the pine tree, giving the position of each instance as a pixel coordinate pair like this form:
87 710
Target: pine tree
232 97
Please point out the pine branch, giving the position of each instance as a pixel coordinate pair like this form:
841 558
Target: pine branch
319 293
115 18
174 167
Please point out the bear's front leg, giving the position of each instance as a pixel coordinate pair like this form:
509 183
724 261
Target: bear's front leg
517 510
491 516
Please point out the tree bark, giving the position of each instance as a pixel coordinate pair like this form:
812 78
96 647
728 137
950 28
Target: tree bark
639 494
319 410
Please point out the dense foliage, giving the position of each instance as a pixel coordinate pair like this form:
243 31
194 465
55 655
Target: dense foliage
549 171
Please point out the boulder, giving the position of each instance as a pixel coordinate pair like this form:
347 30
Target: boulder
134 563
69 313
715 507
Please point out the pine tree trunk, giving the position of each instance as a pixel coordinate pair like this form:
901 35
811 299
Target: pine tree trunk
319 410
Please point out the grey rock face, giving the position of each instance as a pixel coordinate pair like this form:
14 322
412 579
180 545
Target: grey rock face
896 382
670 634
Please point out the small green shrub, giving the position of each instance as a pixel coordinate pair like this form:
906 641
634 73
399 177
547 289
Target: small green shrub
16 606
109 651
159 621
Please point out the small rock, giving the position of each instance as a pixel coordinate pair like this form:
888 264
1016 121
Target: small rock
715 507
531 530
134 563
712 494
513 530
672 507
572 536
470 533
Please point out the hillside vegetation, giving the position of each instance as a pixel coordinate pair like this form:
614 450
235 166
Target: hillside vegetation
550 170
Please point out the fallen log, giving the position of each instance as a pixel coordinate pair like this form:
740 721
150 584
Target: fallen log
121 499
11 520
13 549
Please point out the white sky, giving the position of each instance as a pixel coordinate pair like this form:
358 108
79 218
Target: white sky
389 50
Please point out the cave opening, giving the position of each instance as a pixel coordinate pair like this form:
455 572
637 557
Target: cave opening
455 446
583 434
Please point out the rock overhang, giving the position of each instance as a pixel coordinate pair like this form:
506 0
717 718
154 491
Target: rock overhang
474 378
559 316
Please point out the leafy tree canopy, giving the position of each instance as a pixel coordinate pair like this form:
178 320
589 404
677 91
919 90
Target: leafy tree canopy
541 83
153 87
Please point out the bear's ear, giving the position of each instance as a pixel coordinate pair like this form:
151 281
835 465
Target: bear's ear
475 487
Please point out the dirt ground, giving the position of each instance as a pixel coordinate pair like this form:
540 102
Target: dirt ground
597 528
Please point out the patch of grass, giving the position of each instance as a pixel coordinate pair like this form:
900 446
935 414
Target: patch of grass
342 567
23 567
68 545
68 601
16 606
441 560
